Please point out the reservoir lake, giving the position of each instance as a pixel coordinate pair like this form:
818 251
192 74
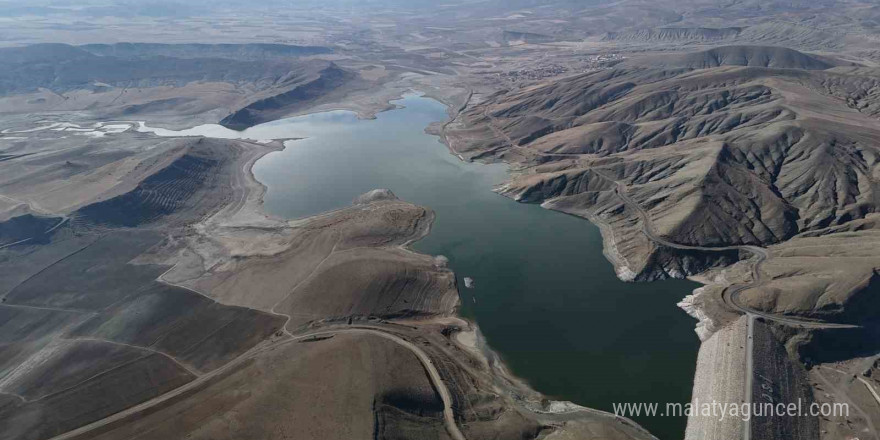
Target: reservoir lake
544 296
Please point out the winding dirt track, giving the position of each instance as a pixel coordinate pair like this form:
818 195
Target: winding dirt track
433 373
436 379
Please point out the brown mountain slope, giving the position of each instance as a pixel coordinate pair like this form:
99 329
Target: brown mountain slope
753 56
715 157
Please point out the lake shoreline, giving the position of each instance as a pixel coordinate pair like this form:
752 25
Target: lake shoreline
480 175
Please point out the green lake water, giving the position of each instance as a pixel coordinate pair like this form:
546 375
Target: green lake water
545 297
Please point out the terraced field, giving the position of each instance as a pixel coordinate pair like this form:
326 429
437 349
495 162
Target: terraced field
160 195
85 331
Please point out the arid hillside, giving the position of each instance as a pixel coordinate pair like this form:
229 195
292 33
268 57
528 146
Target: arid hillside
164 303
732 146
242 84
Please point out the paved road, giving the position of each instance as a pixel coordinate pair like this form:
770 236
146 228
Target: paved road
761 255
731 294
750 372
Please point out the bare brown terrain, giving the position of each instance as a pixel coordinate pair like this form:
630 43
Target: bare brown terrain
145 293
735 150
717 156
170 290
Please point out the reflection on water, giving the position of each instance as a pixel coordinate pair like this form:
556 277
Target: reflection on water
544 296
